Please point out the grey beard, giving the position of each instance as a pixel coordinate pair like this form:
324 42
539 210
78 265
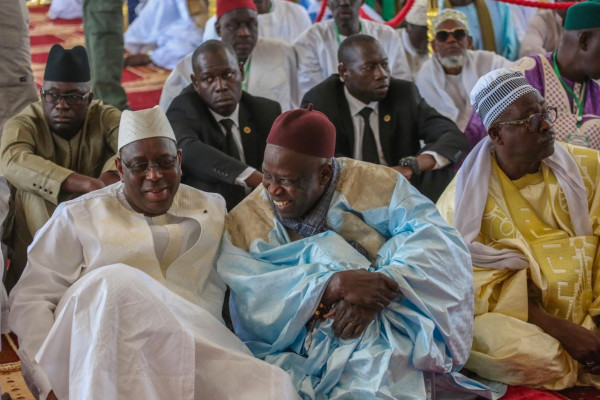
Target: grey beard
452 61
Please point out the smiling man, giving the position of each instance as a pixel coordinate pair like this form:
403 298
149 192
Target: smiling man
446 80
383 120
56 148
221 128
120 298
342 274
527 207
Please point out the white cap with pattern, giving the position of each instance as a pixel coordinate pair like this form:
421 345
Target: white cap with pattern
144 124
417 15
496 91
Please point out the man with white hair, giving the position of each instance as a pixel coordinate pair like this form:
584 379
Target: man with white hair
527 207
446 80
414 37
120 298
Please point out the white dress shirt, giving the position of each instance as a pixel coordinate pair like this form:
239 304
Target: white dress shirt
358 124
235 130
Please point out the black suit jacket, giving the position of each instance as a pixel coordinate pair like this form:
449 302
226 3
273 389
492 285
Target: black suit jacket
206 165
405 119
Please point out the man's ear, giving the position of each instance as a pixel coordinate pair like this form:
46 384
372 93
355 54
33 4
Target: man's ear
241 65
494 134
342 70
584 38
325 173
433 45
218 28
119 165
470 41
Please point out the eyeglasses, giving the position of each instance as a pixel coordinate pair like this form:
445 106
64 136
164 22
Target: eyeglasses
163 165
443 34
71 99
534 121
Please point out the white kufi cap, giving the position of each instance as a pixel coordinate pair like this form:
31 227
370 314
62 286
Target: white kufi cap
417 15
144 124
496 91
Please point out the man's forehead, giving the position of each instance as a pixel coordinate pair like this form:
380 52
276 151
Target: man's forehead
367 52
239 15
64 86
216 60
449 24
149 147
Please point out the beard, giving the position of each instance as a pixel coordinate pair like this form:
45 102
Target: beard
452 61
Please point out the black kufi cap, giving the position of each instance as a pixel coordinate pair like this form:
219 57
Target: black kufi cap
67 65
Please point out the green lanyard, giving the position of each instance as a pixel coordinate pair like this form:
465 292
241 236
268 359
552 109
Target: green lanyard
246 73
578 101
337 32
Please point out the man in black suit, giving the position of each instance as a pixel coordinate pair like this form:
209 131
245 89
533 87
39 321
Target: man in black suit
221 130
397 118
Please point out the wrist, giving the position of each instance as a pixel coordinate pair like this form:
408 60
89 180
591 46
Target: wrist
333 291
412 163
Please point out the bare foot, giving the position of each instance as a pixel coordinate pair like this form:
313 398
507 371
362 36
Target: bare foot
134 60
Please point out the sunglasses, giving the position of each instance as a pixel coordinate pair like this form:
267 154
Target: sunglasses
533 122
443 34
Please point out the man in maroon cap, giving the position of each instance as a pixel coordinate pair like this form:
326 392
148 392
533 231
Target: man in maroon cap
268 66
342 274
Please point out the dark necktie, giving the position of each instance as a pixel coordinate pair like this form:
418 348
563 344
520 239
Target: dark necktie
232 148
369 146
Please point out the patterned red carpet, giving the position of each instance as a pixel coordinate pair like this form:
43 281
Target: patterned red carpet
142 84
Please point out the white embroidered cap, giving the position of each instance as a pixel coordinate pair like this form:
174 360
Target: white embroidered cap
144 124
417 15
496 91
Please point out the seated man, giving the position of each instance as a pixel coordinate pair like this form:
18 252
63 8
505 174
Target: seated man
527 208
120 298
383 120
269 65
446 80
56 148
491 25
165 31
566 78
343 274
414 37
221 129
317 47
277 19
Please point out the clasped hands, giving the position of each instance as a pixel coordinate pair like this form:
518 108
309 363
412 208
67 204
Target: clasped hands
358 296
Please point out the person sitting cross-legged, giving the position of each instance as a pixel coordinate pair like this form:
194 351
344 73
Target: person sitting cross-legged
528 208
120 298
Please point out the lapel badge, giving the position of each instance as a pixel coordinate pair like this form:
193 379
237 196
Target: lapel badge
387 118
247 130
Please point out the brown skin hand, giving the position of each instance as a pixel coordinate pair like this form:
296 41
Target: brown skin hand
51 396
254 180
581 344
426 163
350 320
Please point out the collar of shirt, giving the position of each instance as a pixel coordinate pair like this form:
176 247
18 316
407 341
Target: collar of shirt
234 117
356 105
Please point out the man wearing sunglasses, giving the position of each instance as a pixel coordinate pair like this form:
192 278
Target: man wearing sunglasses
527 208
568 77
56 148
446 80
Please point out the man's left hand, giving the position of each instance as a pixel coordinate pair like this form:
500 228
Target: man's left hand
407 172
351 320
